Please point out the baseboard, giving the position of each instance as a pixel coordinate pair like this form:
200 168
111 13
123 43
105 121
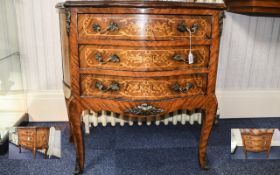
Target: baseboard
46 106
50 105
249 104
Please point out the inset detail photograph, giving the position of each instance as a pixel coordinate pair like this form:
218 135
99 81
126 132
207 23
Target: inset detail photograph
34 143
253 143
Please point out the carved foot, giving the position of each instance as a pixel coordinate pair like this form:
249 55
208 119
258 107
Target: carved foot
206 167
34 153
46 151
204 164
78 169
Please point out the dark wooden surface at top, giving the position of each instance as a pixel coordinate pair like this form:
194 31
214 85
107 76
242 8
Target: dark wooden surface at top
141 4
254 7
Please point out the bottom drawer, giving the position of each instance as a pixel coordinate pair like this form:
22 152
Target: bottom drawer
142 88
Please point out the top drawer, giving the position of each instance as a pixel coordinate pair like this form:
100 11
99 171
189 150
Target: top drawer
143 27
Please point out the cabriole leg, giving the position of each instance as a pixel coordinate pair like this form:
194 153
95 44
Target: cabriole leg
68 102
75 112
208 121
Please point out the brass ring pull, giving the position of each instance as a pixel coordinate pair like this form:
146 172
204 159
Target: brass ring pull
114 86
177 88
182 27
113 58
111 28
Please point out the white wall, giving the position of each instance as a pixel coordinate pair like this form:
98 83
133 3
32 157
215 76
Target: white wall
249 62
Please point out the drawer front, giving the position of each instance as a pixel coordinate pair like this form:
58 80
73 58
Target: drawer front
143 27
25 140
27 144
256 143
255 148
138 88
26 137
257 138
142 59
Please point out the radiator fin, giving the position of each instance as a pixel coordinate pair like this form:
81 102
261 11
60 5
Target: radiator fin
91 118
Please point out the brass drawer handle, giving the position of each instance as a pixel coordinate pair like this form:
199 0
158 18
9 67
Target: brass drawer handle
113 58
178 57
177 88
182 27
114 86
144 109
111 28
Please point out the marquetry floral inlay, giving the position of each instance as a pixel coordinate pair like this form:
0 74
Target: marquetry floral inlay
144 26
140 88
144 59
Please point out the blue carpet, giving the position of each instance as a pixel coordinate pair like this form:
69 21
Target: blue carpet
150 150
25 153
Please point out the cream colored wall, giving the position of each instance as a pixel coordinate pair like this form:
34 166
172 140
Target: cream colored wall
249 53
248 74
39 40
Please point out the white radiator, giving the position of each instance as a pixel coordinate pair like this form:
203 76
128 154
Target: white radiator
91 118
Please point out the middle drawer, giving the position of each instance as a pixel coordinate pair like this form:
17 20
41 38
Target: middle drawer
142 59
142 88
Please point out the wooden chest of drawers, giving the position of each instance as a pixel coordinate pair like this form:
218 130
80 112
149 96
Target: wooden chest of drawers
131 58
33 138
256 140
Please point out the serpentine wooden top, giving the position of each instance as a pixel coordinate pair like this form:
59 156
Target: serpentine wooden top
140 4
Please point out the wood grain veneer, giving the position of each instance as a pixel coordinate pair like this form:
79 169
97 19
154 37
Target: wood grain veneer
119 57
254 7
147 88
142 58
142 26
